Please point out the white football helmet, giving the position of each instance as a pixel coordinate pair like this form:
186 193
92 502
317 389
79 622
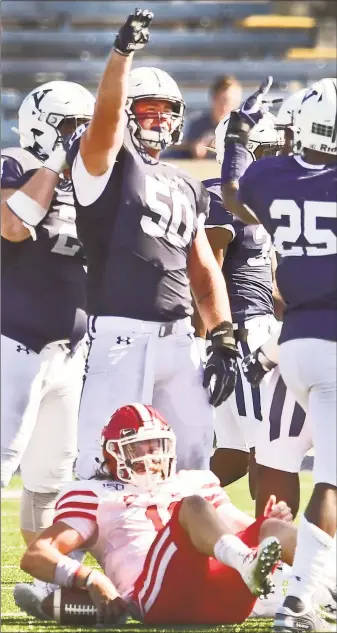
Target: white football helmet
153 83
288 108
263 134
316 120
46 107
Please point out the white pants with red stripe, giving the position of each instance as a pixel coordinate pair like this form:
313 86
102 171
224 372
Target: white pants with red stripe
133 361
40 396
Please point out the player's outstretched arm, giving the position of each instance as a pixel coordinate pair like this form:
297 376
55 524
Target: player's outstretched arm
103 138
24 208
46 559
237 158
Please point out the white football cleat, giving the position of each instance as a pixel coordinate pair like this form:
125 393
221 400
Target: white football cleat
258 564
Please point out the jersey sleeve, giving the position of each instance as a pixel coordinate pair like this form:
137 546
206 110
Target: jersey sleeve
73 144
77 506
218 215
13 175
205 484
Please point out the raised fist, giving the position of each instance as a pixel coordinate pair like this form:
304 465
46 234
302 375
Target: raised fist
253 109
134 33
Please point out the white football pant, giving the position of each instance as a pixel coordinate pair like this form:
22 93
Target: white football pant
308 368
39 413
285 435
140 361
237 420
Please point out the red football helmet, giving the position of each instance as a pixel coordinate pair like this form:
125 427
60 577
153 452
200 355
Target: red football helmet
138 446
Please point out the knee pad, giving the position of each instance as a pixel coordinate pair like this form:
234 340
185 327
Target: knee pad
36 510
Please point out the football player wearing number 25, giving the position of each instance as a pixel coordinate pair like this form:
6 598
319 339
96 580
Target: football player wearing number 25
294 197
141 222
43 319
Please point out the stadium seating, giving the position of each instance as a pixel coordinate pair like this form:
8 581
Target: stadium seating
194 41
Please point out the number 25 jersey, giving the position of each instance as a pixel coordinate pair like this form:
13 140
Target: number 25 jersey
296 203
137 235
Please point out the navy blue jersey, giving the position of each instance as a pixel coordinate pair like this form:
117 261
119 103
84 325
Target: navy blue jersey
43 281
247 264
137 236
297 206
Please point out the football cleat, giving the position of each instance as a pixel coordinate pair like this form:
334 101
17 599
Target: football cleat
305 621
258 565
29 599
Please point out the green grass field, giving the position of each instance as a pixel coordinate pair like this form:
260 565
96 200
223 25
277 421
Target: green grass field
12 549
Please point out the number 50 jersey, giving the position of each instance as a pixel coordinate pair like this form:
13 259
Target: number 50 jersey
296 203
137 233
43 280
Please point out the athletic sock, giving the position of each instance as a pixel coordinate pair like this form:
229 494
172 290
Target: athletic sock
313 552
231 551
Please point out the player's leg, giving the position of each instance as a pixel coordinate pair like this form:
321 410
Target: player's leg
181 398
116 371
308 366
237 420
283 439
230 460
48 461
180 584
20 400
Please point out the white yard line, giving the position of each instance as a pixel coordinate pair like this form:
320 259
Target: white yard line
11 494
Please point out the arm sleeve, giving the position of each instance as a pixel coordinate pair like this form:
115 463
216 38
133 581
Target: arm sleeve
218 215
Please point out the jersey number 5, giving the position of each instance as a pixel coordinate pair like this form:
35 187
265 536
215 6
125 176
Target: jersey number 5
320 241
170 213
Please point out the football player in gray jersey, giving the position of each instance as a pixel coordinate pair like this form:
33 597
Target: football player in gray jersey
43 320
141 222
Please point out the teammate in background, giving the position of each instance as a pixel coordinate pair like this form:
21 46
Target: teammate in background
173 548
43 303
248 263
295 199
280 448
141 223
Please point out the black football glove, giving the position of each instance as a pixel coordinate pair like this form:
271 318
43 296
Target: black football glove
221 368
242 121
253 369
134 33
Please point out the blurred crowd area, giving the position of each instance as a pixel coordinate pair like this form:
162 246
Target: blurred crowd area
217 52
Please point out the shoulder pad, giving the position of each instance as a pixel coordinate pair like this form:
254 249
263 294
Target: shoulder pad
15 162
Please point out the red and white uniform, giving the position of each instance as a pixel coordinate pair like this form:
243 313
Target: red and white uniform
140 545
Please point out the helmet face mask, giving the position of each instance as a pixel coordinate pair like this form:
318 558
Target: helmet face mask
139 447
154 84
46 111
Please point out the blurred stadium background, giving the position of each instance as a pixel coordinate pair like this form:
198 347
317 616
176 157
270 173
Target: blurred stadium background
195 41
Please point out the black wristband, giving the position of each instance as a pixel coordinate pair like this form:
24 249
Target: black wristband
223 336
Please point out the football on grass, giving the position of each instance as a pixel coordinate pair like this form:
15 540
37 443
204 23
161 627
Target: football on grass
70 606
